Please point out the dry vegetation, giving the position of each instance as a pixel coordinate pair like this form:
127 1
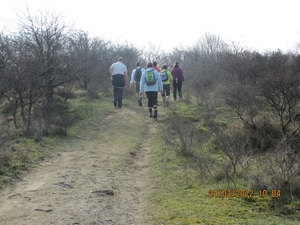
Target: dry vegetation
238 123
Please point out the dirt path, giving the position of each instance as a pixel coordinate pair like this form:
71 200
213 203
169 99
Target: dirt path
99 178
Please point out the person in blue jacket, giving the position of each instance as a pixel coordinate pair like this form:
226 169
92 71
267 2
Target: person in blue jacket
152 89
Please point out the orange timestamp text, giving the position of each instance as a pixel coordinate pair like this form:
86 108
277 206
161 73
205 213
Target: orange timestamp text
243 193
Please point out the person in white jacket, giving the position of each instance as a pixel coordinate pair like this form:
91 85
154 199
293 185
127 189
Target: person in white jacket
119 78
151 89
135 79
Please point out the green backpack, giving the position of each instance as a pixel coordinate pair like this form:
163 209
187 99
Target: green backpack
150 78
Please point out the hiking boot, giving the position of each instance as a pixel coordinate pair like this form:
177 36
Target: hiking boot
155 114
151 115
140 102
167 102
115 104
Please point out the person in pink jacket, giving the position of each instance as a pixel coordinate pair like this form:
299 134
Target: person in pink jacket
178 78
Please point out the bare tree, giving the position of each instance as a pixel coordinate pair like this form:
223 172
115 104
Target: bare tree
280 88
212 46
36 62
88 58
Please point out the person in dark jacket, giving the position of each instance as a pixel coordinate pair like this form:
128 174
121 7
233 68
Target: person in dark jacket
178 78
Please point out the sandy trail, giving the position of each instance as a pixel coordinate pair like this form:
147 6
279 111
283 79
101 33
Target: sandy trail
99 178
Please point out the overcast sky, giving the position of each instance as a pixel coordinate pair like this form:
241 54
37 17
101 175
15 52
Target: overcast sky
258 24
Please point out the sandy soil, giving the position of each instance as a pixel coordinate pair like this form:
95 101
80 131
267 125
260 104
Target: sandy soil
99 178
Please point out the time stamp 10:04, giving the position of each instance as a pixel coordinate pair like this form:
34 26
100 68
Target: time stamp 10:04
235 193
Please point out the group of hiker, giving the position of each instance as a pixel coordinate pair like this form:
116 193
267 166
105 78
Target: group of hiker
149 81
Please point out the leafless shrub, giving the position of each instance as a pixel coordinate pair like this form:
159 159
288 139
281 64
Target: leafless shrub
282 94
279 170
92 94
60 116
55 117
3 138
205 164
244 102
6 157
5 154
265 135
65 93
181 136
236 146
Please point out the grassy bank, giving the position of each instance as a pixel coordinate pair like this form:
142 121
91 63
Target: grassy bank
181 195
22 152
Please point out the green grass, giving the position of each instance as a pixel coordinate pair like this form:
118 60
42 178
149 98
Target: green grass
24 152
179 196
87 110
188 111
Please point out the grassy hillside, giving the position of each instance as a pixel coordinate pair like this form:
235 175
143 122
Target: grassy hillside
183 194
177 191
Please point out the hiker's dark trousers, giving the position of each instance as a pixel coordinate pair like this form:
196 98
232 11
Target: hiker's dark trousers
166 91
152 98
118 84
118 96
177 87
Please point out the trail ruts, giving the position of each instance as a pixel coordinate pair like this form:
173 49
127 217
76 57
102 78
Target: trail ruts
97 178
